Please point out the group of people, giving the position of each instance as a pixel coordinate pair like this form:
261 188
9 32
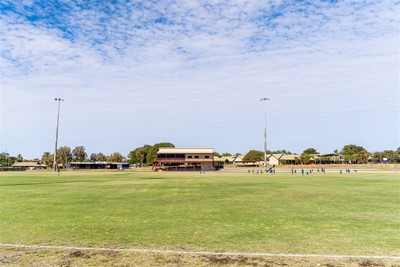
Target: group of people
310 171
271 170
347 171
322 170
294 171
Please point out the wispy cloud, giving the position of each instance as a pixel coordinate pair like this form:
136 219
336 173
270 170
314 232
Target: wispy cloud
129 65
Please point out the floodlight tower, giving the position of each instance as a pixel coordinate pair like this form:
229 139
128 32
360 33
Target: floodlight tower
58 120
265 99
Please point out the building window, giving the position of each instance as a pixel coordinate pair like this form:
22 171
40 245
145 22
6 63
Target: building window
196 157
189 157
207 157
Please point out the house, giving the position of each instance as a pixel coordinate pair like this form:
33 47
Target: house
236 159
96 165
274 159
330 158
35 165
184 159
227 160
291 159
219 162
279 159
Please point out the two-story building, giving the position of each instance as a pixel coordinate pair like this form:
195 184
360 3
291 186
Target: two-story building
184 159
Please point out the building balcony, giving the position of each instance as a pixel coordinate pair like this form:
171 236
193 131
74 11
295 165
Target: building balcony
162 160
198 160
178 160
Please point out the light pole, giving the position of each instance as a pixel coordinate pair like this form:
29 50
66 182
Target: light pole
58 120
265 99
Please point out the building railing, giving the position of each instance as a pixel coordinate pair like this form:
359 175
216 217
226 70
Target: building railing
198 160
161 160
170 159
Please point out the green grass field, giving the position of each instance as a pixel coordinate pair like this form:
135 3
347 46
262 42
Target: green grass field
355 213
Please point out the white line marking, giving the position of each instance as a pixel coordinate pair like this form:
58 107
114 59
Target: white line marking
202 252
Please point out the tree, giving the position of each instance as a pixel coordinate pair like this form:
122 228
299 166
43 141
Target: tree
64 155
138 155
116 157
20 158
217 154
5 160
326 159
354 153
226 154
98 157
378 157
283 151
48 159
152 153
310 151
305 158
79 154
254 155
141 154
390 155
12 160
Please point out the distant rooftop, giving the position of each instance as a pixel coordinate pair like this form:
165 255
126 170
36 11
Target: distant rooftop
28 164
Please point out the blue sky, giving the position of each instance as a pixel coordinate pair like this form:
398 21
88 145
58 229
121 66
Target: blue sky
192 73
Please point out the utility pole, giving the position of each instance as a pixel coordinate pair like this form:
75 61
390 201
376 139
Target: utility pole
265 99
58 120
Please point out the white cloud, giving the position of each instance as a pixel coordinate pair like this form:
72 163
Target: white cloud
330 70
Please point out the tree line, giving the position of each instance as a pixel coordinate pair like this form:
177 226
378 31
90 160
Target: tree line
349 154
144 155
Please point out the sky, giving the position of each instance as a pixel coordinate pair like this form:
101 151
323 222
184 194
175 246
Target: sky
193 72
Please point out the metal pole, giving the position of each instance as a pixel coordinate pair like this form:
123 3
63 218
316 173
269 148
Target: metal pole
58 120
265 130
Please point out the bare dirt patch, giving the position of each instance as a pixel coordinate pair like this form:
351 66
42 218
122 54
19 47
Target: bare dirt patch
77 254
70 258
369 263
226 260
